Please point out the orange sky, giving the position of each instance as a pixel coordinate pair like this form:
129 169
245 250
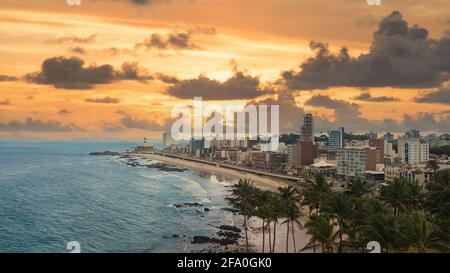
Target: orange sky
259 38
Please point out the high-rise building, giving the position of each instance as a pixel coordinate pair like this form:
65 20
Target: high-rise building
389 137
293 155
167 139
372 135
354 162
413 151
379 145
307 129
336 140
412 134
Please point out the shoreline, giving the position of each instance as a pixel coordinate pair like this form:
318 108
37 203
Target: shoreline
255 224
262 182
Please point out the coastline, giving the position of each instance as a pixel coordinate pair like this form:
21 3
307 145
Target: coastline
255 224
261 182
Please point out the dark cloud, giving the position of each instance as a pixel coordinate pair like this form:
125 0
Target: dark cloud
441 95
107 100
366 96
32 125
176 40
167 78
71 73
111 128
239 86
349 116
78 50
133 71
64 112
367 21
72 39
143 124
400 56
5 102
5 78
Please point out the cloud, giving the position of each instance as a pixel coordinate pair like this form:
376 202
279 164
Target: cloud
5 102
64 112
366 96
239 86
107 100
348 115
32 125
5 78
143 124
71 73
176 40
441 95
400 56
72 39
133 71
78 50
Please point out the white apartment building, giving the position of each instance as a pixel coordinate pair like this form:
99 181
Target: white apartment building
413 152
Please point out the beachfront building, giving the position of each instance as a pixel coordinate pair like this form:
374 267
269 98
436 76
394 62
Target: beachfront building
293 155
413 151
168 139
354 162
323 167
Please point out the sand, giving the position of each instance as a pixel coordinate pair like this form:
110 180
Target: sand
255 224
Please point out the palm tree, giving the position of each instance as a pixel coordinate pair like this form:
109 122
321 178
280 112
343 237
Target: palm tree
316 192
275 214
339 206
320 228
399 195
359 188
417 231
245 199
289 198
433 165
264 211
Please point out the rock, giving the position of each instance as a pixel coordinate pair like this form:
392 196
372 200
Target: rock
187 205
206 209
175 236
230 228
105 153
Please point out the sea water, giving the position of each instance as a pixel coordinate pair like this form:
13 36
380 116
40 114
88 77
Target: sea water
54 192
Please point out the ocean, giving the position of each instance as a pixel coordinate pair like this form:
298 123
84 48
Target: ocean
54 192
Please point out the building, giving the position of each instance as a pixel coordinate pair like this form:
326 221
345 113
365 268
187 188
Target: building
336 140
371 135
413 151
413 175
197 147
293 155
168 140
275 161
412 134
307 129
307 153
354 162
379 145
389 137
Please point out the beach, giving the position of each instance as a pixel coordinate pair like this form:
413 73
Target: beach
255 224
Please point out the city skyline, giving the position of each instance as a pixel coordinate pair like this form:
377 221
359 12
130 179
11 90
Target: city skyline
134 62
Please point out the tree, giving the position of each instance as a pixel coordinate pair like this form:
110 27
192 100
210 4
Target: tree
315 193
264 211
245 199
359 188
433 165
339 207
320 228
417 231
289 200
402 195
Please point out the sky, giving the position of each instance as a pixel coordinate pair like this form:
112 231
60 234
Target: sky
114 69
